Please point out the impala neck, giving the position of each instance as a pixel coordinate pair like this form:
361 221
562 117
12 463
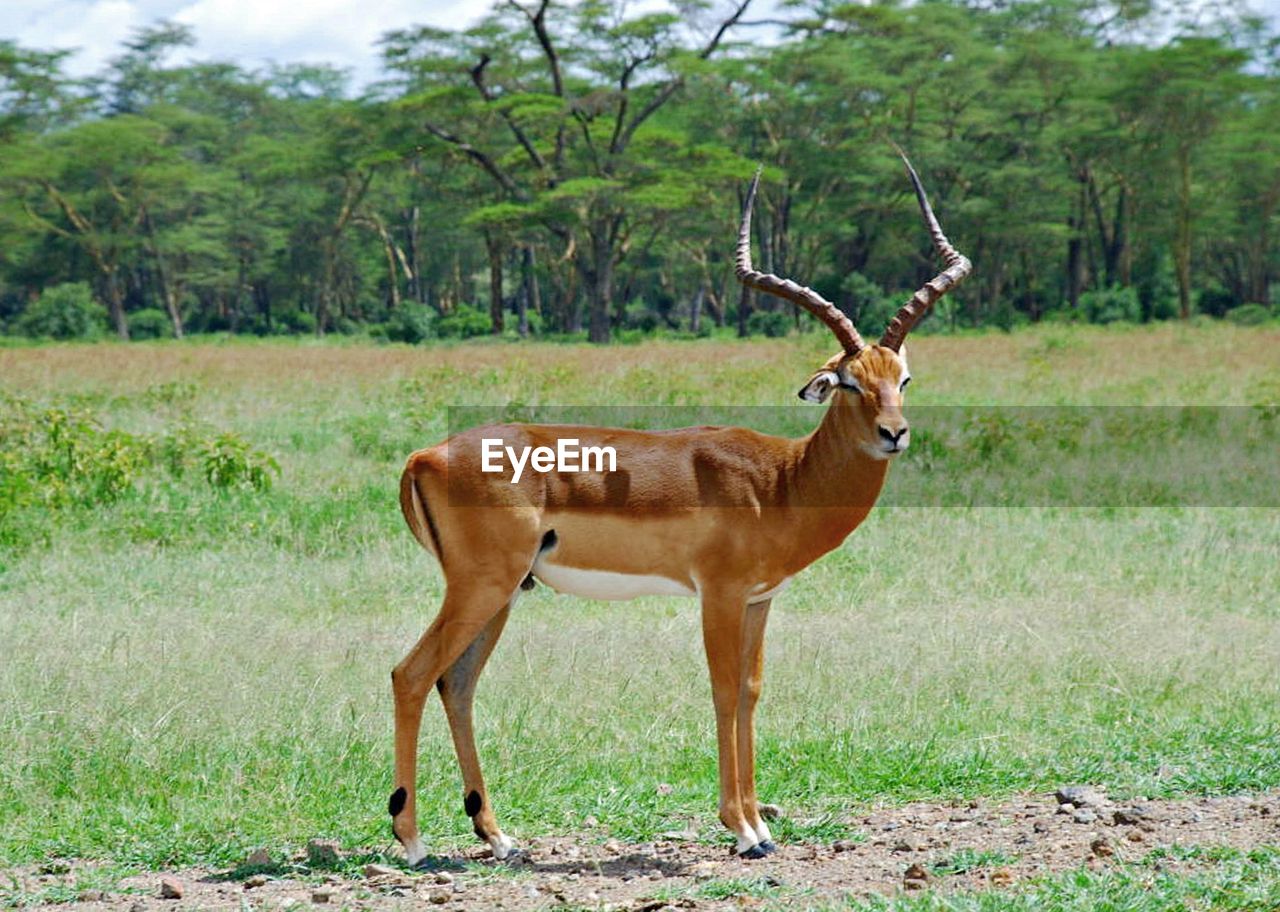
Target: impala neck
834 470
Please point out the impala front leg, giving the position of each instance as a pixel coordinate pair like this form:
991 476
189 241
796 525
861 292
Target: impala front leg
722 636
752 680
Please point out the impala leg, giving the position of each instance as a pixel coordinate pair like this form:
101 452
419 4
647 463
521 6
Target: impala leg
750 684
457 691
467 610
722 628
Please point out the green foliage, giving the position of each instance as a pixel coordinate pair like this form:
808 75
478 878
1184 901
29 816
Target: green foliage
412 323
66 311
1111 305
463 322
1249 315
149 323
771 323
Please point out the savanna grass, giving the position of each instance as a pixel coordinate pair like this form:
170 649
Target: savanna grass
189 671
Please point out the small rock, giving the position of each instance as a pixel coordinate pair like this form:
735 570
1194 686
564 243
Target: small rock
440 897
591 821
322 852
612 846
1080 796
1084 815
531 891
170 887
1134 836
593 896
1066 808
254 881
656 874
258 858
916 877
91 896
138 906
56 866
909 843
703 870
1001 877
443 877
1131 815
322 894
770 811
1101 848
844 845
1040 826
379 870
664 788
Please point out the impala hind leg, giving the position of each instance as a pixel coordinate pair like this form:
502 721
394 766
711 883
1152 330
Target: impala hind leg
750 684
457 691
468 608
723 625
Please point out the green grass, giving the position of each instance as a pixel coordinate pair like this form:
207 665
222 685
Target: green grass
188 672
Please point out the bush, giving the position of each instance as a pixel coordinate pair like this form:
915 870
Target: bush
771 323
464 322
149 323
1216 302
1248 315
412 323
1111 305
296 323
66 311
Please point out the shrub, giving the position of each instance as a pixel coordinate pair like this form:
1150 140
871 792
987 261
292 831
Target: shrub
1216 302
771 323
464 322
149 323
296 323
66 311
1111 305
412 323
1249 315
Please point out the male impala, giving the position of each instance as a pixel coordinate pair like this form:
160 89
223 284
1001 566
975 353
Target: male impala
728 515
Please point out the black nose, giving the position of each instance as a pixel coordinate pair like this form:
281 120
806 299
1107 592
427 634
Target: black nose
890 435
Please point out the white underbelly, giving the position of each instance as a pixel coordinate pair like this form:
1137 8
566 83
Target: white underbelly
603 584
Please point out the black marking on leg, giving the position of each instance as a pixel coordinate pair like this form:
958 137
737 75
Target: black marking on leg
528 583
395 804
549 541
756 851
479 831
395 834
769 846
473 804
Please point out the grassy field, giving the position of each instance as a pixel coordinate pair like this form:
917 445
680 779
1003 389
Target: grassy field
191 669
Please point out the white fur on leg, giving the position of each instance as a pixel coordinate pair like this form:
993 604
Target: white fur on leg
762 830
746 839
414 851
502 846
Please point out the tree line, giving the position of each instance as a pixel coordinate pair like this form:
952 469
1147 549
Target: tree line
570 169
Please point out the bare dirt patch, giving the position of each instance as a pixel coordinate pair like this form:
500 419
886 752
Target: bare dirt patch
942 846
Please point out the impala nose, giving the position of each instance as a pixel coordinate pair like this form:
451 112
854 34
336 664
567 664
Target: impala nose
892 437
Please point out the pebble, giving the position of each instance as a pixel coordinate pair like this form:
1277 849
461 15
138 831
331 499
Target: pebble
439 897
1101 848
916 877
1066 808
56 866
1134 836
664 788
322 852
531 891
1084 815
170 887
91 896
257 858
379 870
656 874
138 906
255 881
321 894
908 844
1080 796
1131 815
443 877
1001 877
844 845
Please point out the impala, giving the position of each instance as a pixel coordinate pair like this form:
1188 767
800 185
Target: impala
727 515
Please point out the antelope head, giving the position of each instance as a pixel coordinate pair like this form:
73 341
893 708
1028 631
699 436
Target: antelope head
870 379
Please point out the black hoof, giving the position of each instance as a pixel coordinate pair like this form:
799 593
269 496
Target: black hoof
756 851
769 846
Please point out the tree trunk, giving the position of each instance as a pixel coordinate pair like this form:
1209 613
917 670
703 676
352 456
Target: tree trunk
494 246
599 278
695 310
115 304
1182 239
744 309
531 299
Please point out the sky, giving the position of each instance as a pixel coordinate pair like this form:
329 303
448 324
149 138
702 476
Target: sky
251 32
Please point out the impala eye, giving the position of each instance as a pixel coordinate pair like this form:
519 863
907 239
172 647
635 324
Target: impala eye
903 384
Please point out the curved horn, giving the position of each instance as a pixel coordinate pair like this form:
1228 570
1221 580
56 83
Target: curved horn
958 266
807 298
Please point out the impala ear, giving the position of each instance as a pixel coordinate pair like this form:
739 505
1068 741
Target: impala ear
819 387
